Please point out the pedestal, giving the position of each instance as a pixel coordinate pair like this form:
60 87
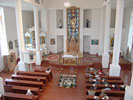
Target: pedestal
22 66
128 93
114 70
38 58
105 60
1 86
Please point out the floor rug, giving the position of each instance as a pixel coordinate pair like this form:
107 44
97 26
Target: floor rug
52 57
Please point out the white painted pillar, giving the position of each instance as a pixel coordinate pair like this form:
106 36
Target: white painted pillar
100 51
129 90
37 37
115 67
65 30
1 86
128 93
81 30
105 56
20 35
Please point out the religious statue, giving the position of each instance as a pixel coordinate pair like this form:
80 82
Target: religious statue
87 23
112 42
60 24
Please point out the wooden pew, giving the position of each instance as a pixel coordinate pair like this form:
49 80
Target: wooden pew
100 86
100 98
113 93
35 74
93 73
106 77
44 71
31 78
23 90
14 96
118 82
25 83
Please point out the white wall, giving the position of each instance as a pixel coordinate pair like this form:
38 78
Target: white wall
28 19
125 30
10 24
94 32
79 3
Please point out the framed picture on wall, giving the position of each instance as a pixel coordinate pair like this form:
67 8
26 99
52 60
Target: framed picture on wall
10 45
94 42
52 41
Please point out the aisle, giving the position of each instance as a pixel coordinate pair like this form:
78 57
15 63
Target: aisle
57 93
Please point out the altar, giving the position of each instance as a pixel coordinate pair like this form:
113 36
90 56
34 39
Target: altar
71 58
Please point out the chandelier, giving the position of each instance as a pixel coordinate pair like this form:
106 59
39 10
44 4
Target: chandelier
67 4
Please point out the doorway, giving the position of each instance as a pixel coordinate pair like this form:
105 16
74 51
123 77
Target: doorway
86 44
60 44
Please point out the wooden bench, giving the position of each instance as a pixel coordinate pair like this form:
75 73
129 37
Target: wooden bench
113 93
35 74
14 96
101 86
106 77
25 83
23 90
100 98
44 71
31 78
118 82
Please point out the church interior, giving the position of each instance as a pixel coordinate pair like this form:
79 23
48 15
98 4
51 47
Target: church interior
66 49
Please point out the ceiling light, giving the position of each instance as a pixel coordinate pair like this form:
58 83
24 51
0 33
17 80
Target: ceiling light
67 4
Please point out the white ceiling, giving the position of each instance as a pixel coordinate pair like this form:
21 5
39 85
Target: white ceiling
26 6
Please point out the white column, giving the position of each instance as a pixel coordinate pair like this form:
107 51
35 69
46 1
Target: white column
19 22
37 37
115 67
81 31
65 30
1 86
100 49
129 90
105 56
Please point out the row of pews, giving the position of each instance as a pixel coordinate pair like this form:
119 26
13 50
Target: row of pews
37 82
98 82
